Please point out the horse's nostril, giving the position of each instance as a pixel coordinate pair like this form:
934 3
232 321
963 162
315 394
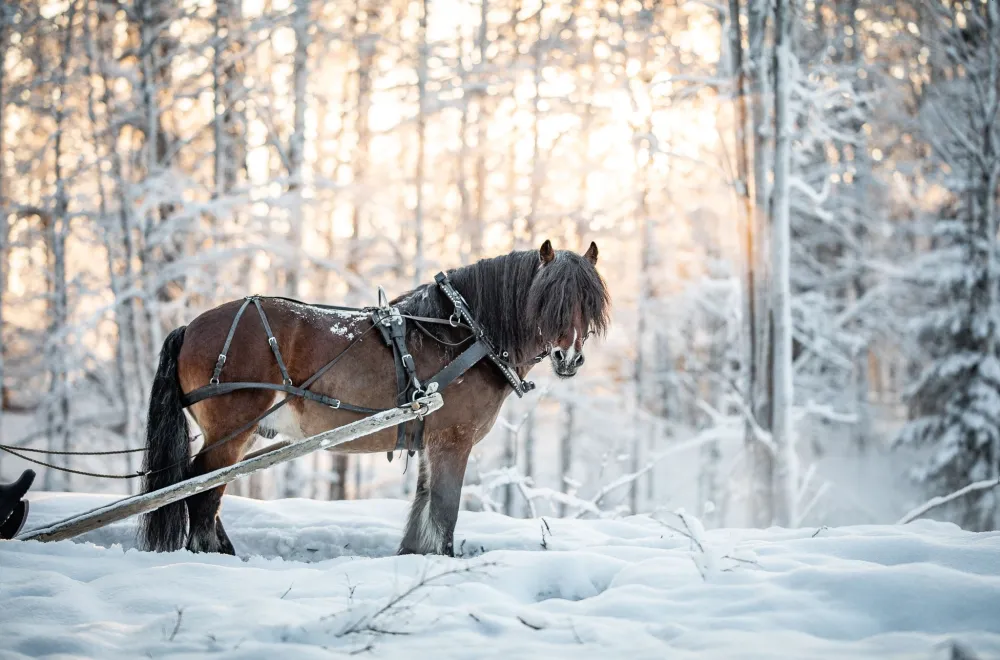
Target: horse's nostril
558 354
579 360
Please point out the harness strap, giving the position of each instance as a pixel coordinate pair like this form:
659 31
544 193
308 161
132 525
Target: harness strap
465 361
390 323
208 391
272 342
229 340
521 387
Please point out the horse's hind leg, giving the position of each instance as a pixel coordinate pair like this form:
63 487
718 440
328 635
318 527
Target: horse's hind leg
206 531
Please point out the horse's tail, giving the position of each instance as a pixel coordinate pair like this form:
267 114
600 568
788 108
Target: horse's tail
168 452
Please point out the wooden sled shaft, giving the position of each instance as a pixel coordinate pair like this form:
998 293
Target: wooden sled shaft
138 504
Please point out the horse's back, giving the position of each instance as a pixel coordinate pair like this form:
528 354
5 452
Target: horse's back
303 334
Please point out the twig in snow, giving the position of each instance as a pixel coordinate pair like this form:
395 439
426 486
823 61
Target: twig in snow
374 623
350 589
530 625
686 532
370 646
177 624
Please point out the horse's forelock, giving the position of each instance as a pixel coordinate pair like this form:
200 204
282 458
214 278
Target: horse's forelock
564 287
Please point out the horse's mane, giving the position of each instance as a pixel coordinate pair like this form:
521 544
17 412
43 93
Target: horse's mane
493 287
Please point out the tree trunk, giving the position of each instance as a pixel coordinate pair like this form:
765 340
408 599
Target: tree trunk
58 229
783 435
418 211
646 247
746 218
510 462
112 246
4 228
529 444
364 45
464 229
156 46
537 172
566 448
759 332
365 48
293 473
990 179
481 94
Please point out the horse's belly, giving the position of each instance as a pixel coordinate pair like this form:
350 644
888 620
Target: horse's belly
377 443
284 421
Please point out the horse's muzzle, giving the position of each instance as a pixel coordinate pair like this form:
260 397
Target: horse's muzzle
566 363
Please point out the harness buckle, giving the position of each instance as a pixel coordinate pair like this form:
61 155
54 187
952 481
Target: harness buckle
334 404
408 362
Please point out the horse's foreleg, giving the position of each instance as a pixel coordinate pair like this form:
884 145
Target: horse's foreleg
431 525
206 531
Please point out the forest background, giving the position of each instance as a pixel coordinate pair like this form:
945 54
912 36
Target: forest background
795 203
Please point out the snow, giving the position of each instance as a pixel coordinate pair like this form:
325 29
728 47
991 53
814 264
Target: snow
318 579
342 331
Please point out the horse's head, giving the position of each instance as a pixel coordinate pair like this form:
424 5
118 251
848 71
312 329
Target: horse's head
568 303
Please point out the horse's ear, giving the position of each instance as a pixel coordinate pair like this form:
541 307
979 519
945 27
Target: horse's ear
546 253
591 253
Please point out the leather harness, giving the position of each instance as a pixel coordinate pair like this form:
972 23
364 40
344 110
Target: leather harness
391 323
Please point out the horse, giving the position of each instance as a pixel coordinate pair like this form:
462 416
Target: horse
529 303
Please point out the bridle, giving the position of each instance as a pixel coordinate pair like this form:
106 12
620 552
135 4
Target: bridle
546 352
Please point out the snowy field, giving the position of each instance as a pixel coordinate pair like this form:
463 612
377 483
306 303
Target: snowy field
319 580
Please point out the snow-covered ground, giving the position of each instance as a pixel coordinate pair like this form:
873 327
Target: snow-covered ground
319 580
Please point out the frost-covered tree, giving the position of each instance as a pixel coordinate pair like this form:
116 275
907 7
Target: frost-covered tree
955 404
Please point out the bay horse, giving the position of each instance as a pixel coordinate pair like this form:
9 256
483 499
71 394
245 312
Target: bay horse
529 302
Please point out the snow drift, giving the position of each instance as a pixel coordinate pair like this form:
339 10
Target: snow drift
319 579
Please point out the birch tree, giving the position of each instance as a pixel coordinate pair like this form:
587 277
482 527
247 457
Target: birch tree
786 500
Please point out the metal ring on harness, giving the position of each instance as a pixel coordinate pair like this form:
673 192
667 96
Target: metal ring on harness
419 408
454 320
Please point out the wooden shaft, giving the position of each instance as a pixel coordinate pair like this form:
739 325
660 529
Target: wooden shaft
267 449
137 504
